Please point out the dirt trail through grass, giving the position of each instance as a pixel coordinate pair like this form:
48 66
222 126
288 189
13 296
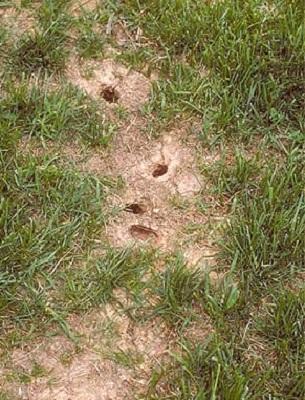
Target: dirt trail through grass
152 227
115 356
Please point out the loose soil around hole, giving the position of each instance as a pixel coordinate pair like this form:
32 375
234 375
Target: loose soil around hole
157 204
153 170
123 86
136 163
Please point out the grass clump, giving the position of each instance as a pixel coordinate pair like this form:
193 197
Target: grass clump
177 291
45 49
230 178
95 284
243 359
3 37
39 52
266 234
60 114
284 324
90 44
201 371
91 39
94 29
5 396
50 214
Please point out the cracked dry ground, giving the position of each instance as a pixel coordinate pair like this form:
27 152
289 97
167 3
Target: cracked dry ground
157 209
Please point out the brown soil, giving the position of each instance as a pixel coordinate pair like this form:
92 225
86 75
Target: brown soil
158 208
109 80
93 370
154 171
18 21
77 6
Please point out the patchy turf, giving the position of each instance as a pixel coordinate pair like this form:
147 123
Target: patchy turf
152 210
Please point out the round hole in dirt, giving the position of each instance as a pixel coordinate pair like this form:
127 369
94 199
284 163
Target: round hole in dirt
141 232
135 208
109 94
160 169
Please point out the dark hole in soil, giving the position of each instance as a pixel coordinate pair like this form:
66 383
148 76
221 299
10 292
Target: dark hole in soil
109 94
142 232
161 169
135 208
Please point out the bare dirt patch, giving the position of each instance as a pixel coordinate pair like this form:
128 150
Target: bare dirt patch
111 82
97 370
18 21
161 182
202 255
199 329
153 172
77 6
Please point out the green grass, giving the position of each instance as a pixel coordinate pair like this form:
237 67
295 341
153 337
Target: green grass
44 49
177 290
50 214
254 58
91 36
257 348
235 68
54 114
284 323
3 35
96 283
5 396
201 371
266 234
126 358
37 52
229 178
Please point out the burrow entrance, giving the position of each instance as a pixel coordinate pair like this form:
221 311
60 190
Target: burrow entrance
141 232
160 170
110 94
135 208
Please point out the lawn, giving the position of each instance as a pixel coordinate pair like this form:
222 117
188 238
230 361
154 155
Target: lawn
152 199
